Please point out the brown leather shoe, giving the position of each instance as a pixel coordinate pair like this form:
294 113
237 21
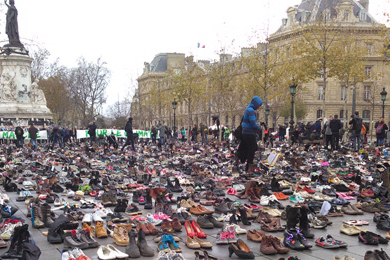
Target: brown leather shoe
196 211
120 235
263 216
277 244
176 225
266 246
99 230
205 210
166 226
142 226
252 235
152 229
202 243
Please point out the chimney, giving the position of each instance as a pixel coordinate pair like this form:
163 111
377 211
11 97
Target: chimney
365 4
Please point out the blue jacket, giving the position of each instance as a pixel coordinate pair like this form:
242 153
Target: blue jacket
317 126
249 125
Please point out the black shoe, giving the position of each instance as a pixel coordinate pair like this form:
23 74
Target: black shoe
216 223
237 248
148 201
368 239
380 239
292 241
303 240
204 222
383 222
244 217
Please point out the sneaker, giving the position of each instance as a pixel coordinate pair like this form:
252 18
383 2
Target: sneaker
327 243
222 238
97 216
367 238
338 242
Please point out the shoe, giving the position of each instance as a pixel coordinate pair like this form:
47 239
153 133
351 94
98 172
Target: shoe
71 240
292 240
198 230
104 253
241 250
367 237
191 243
144 249
176 225
350 230
204 222
132 210
222 238
132 249
120 235
277 244
118 254
85 236
213 221
100 231
202 243
255 236
383 223
327 243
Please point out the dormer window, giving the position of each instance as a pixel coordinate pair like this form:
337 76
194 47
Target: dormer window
327 15
346 15
363 15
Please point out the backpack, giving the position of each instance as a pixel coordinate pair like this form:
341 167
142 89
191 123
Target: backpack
364 130
18 131
238 132
379 128
359 123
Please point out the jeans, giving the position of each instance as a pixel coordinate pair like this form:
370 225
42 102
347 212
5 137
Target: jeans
335 141
162 140
19 142
381 141
356 139
204 139
33 143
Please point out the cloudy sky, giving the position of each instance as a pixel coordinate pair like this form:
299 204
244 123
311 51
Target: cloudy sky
126 33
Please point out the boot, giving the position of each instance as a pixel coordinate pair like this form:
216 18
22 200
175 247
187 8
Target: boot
16 248
144 249
132 249
46 211
36 216
386 179
292 215
304 223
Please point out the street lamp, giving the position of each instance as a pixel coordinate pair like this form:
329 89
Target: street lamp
383 97
293 90
266 114
174 104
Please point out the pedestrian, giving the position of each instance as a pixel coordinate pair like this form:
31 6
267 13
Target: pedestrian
281 132
183 134
248 146
336 126
19 136
328 133
316 129
162 133
203 133
356 122
380 131
227 133
129 134
195 133
92 132
33 131
154 134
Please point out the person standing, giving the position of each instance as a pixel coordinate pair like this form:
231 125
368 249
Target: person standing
336 126
19 136
248 146
129 134
162 130
356 123
203 133
33 131
92 132
328 133
316 129
380 130
282 132
154 134
195 134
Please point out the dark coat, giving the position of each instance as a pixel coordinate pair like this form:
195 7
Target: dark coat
33 132
335 125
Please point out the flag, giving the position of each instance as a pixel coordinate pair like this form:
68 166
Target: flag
204 46
198 44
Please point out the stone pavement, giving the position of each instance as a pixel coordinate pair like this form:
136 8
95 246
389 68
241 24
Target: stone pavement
355 249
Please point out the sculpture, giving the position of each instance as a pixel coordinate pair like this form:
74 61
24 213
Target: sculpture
37 94
11 28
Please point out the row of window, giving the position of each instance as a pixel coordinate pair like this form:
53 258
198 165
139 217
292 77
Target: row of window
365 115
344 91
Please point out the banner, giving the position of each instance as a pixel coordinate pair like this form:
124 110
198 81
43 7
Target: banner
10 135
117 133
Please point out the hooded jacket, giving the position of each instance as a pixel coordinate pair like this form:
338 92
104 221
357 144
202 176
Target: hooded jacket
249 125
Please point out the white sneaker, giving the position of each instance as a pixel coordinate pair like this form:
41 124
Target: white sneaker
77 252
238 229
96 217
87 218
107 211
101 213
118 254
4 197
272 198
264 201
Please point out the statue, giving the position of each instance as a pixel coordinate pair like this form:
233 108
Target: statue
37 94
11 28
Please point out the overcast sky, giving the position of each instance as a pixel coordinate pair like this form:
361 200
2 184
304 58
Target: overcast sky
126 33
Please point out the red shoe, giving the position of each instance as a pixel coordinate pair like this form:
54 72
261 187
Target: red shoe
308 190
367 193
190 231
92 193
231 191
199 232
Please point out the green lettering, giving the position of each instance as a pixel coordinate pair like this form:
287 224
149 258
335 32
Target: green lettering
104 132
5 135
12 135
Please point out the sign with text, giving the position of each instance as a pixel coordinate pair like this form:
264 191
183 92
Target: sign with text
10 135
117 133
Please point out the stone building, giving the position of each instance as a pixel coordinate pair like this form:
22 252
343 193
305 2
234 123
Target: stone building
338 99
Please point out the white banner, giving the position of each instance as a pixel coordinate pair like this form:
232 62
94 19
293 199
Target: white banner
117 133
41 135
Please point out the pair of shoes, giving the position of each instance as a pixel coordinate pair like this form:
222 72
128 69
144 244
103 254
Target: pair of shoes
168 241
193 228
140 248
329 242
255 236
351 230
109 252
150 229
345 257
370 238
228 235
205 256
294 239
75 253
241 250
376 254
272 245
196 243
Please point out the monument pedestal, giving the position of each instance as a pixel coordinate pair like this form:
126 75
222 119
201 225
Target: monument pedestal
19 98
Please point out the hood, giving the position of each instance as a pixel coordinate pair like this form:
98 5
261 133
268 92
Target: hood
256 102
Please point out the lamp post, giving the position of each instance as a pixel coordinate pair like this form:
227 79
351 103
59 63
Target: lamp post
266 114
174 104
383 97
293 90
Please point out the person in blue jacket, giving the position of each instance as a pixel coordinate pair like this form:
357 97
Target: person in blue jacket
250 128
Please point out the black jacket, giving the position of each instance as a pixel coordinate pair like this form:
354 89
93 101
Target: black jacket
335 125
129 128
357 123
92 130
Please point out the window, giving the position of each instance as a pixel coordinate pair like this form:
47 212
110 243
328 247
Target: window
363 16
367 72
366 115
319 114
346 16
320 92
344 92
327 15
367 93
369 48
342 114
226 120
